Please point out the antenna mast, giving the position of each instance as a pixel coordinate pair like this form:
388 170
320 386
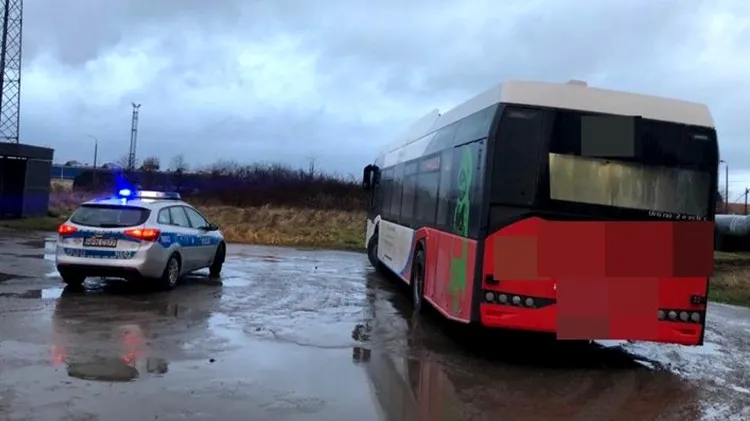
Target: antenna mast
133 137
11 13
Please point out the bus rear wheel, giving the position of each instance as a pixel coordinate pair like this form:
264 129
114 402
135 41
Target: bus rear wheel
417 281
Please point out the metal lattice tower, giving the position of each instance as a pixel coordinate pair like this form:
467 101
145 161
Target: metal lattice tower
133 137
11 13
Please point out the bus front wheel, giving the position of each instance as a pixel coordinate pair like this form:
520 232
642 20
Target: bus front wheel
372 251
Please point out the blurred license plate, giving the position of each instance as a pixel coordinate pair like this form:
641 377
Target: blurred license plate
99 242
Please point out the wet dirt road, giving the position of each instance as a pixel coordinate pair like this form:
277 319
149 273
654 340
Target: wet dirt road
299 335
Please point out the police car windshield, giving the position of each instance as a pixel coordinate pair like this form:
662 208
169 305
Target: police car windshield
109 216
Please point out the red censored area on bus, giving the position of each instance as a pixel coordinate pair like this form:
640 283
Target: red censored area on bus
600 280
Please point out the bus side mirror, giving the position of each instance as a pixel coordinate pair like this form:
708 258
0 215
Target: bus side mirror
367 177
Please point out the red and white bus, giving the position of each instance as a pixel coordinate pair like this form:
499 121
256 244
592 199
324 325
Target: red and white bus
554 207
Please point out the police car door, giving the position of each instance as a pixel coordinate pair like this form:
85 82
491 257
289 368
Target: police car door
205 249
185 237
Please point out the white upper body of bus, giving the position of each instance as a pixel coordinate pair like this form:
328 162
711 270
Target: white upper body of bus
572 95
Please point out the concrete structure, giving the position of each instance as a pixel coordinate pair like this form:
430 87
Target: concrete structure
24 180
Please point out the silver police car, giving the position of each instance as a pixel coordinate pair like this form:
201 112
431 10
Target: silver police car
138 235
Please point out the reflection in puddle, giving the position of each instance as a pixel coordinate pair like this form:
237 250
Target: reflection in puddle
423 374
125 355
115 369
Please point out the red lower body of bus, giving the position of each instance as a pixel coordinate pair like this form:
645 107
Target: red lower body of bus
642 281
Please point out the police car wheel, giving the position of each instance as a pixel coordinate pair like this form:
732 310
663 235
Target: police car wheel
171 275
215 269
72 278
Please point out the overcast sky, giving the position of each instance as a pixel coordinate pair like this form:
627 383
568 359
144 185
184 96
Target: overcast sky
287 80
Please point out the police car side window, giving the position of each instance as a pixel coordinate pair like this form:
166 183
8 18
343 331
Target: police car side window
164 217
196 220
179 217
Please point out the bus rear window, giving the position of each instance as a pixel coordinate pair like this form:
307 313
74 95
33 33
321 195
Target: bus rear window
631 163
109 216
628 185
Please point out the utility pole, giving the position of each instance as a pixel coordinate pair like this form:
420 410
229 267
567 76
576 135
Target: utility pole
133 137
746 191
726 187
96 148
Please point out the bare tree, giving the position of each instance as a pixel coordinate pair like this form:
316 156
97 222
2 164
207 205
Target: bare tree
122 162
151 164
178 164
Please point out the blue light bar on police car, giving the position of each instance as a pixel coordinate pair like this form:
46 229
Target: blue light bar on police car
148 194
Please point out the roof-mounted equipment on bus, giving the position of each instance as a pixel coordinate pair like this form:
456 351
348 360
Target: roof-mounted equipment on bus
578 82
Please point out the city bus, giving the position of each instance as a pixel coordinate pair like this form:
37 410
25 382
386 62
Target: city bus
553 207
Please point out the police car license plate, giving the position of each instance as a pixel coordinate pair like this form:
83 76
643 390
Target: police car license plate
99 242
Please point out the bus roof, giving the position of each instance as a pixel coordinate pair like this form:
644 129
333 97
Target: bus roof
573 95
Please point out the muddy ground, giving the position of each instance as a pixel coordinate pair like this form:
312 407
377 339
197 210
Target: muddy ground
302 335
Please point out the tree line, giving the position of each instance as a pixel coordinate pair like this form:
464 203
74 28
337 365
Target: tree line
230 183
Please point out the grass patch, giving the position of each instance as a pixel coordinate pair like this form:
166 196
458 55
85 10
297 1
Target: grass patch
731 281
290 227
332 229
32 224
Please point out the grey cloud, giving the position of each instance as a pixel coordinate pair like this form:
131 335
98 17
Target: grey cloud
394 59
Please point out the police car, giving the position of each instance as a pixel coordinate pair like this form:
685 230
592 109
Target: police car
138 235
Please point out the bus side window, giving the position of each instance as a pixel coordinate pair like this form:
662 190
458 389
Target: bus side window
476 126
376 206
444 191
427 190
387 187
396 191
409 193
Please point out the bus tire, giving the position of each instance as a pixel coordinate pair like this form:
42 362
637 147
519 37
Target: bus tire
417 281
372 251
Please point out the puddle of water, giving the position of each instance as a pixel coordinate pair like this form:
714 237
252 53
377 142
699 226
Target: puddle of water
33 243
51 293
44 294
235 281
50 246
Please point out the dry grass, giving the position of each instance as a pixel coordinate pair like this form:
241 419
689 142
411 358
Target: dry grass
290 227
267 225
731 280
